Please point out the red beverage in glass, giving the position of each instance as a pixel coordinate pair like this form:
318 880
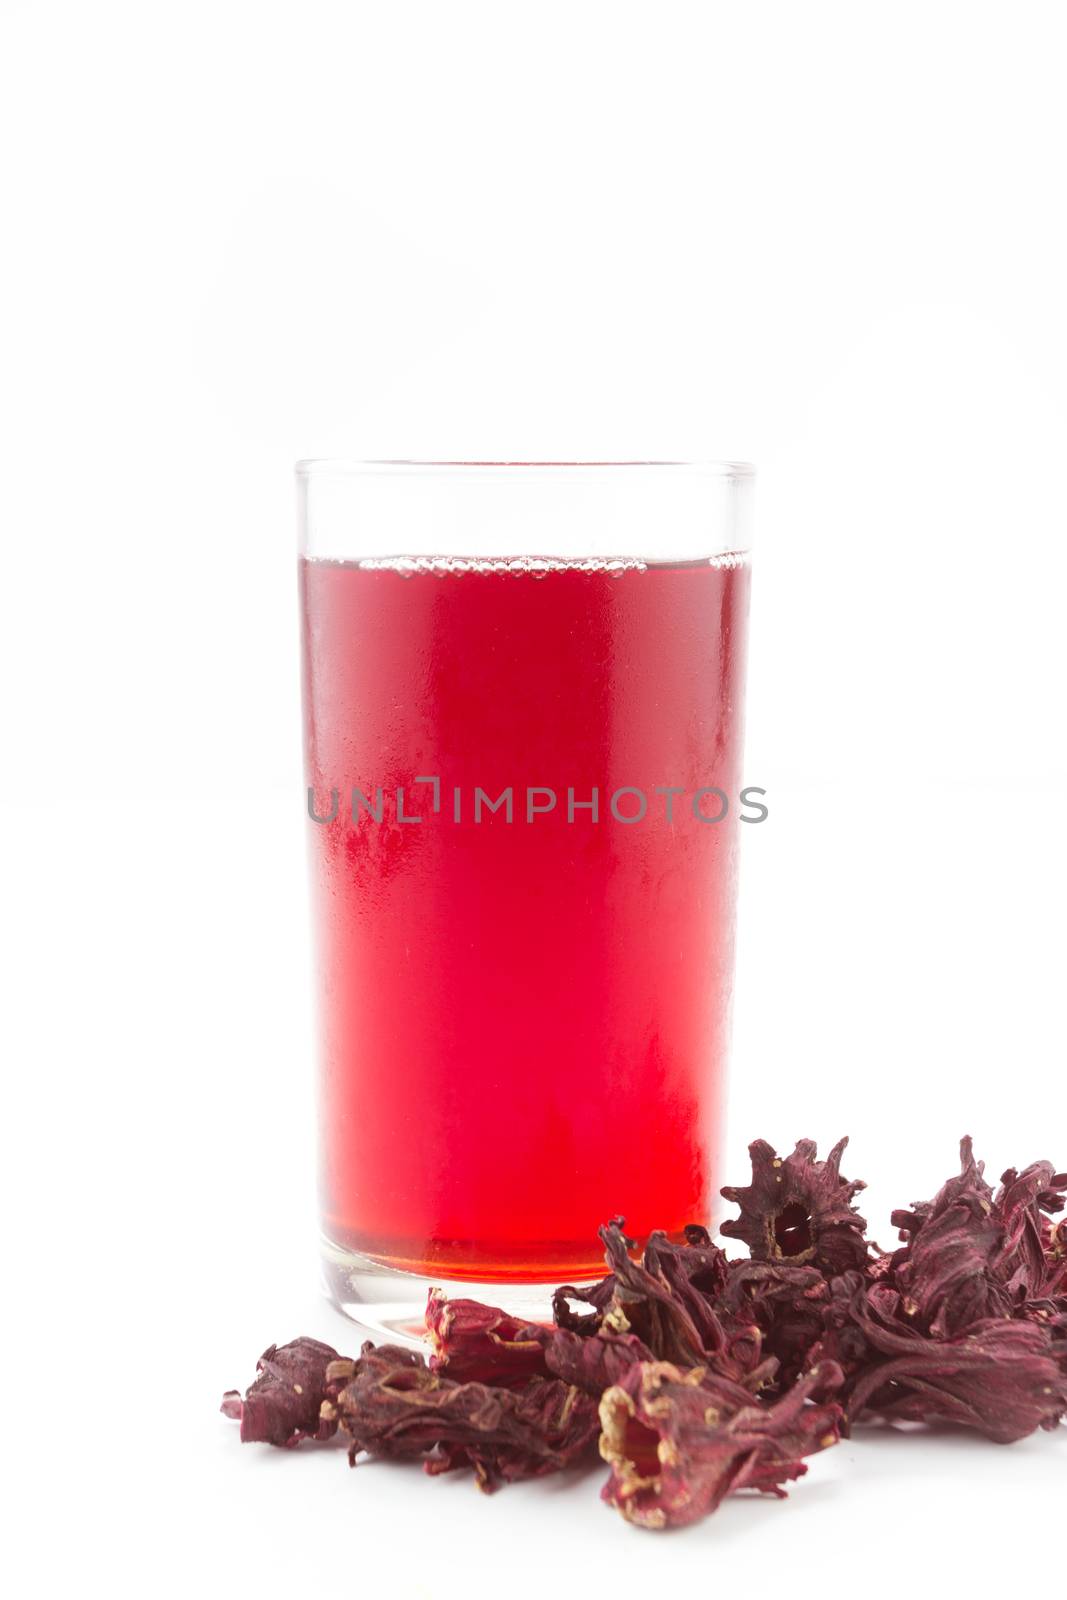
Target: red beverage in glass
524 1016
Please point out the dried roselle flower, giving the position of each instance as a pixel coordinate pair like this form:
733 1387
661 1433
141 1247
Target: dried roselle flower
969 1254
843 1337
1055 1244
598 1295
1023 1205
394 1406
1038 1183
670 1302
799 1210
483 1344
680 1441
1051 1314
656 1300
945 1272
593 1363
759 1284
471 1342
696 1268
644 1303
969 1187
673 1301
284 1402
553 1426
1002 1376
783 1307
715 1375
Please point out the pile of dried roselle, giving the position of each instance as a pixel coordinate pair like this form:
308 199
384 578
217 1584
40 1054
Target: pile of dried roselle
696 1376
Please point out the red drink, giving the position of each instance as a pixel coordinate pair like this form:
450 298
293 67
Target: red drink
524 1022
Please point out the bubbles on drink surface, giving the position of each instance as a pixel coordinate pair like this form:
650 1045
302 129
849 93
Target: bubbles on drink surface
527 566
516 566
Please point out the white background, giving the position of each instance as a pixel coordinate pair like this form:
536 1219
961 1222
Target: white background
828 238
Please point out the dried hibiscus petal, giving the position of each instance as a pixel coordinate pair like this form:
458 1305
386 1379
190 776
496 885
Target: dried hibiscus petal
969 1254
784 1307
283 1404
673 1326
597 1295
659 1299
945 1271
679 1441
697 1267
1001 1377
692 1273
593 1364
393 1405
473 1342
799 1210
1056 1258
1023 1205
968 1186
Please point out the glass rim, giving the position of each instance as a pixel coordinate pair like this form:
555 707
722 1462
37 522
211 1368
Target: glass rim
341 466
647 510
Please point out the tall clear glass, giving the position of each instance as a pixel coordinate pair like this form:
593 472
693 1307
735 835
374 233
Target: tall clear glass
523 693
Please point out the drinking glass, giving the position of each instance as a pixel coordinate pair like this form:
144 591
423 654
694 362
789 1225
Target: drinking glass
523 696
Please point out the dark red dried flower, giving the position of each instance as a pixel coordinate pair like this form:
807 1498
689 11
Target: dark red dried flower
716 1375
1023 1205
1056 1258
470 1342
473 1342
945 1273
968 1187
673 1322
783 1305
680 1441
598 1295
594 1363
799 1210
1001 1376
697 1267
662 1301
282 1405
391 1404
970 1254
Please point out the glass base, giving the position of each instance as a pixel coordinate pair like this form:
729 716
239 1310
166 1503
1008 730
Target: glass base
392 1303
